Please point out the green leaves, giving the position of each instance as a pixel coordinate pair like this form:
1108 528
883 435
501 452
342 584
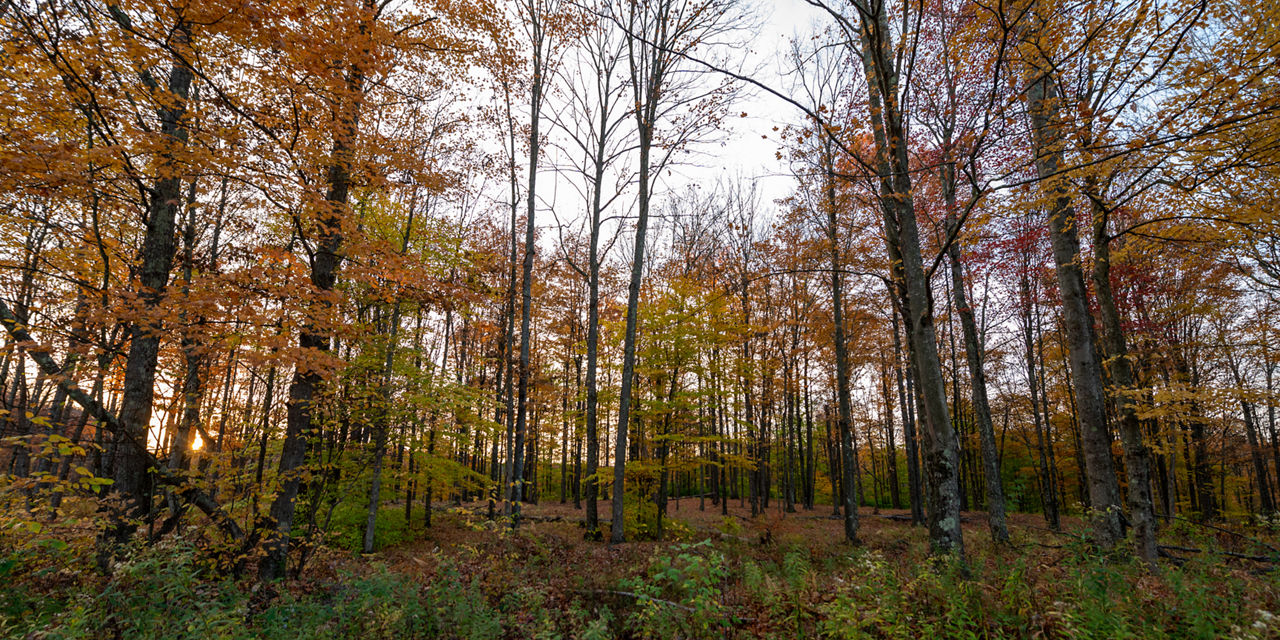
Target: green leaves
680 596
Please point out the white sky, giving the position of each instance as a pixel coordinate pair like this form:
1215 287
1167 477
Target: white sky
746 147
745 152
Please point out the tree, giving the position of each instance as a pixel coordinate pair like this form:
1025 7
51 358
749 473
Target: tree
956 84
1047 139
827 87
593 119
660 35
869 32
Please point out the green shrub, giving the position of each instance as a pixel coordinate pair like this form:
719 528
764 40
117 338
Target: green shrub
680 595
157 592
385 605
346 528
165 593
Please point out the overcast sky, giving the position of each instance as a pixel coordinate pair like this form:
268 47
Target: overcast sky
745 151
746 147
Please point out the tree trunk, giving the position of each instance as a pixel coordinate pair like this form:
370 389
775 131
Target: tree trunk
974 357
844 408
1137 458
325 264
530 251
157 251
1047 140
193 357
903 243
906 404
1044 443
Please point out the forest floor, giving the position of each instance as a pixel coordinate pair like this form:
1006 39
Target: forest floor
779 575
791 575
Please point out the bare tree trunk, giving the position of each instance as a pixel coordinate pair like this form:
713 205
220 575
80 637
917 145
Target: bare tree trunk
906 400
564 436
810 478
891 453
508 373
593 357
530 250
902 236
1047 139
1137 458
844 409
646 84
1044 444
974 357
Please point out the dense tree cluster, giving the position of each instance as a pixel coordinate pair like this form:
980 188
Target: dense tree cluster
262 259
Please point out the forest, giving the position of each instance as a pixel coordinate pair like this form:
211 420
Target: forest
639 319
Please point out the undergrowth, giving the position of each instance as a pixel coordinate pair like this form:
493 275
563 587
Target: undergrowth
719 587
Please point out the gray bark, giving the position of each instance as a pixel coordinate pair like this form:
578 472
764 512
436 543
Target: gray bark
1048 476
974 357
1047 140
1137 457
539 40
844 409
903 239
648 67
906 398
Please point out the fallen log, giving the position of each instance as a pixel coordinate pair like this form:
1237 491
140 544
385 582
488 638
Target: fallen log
902 517
1229 554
